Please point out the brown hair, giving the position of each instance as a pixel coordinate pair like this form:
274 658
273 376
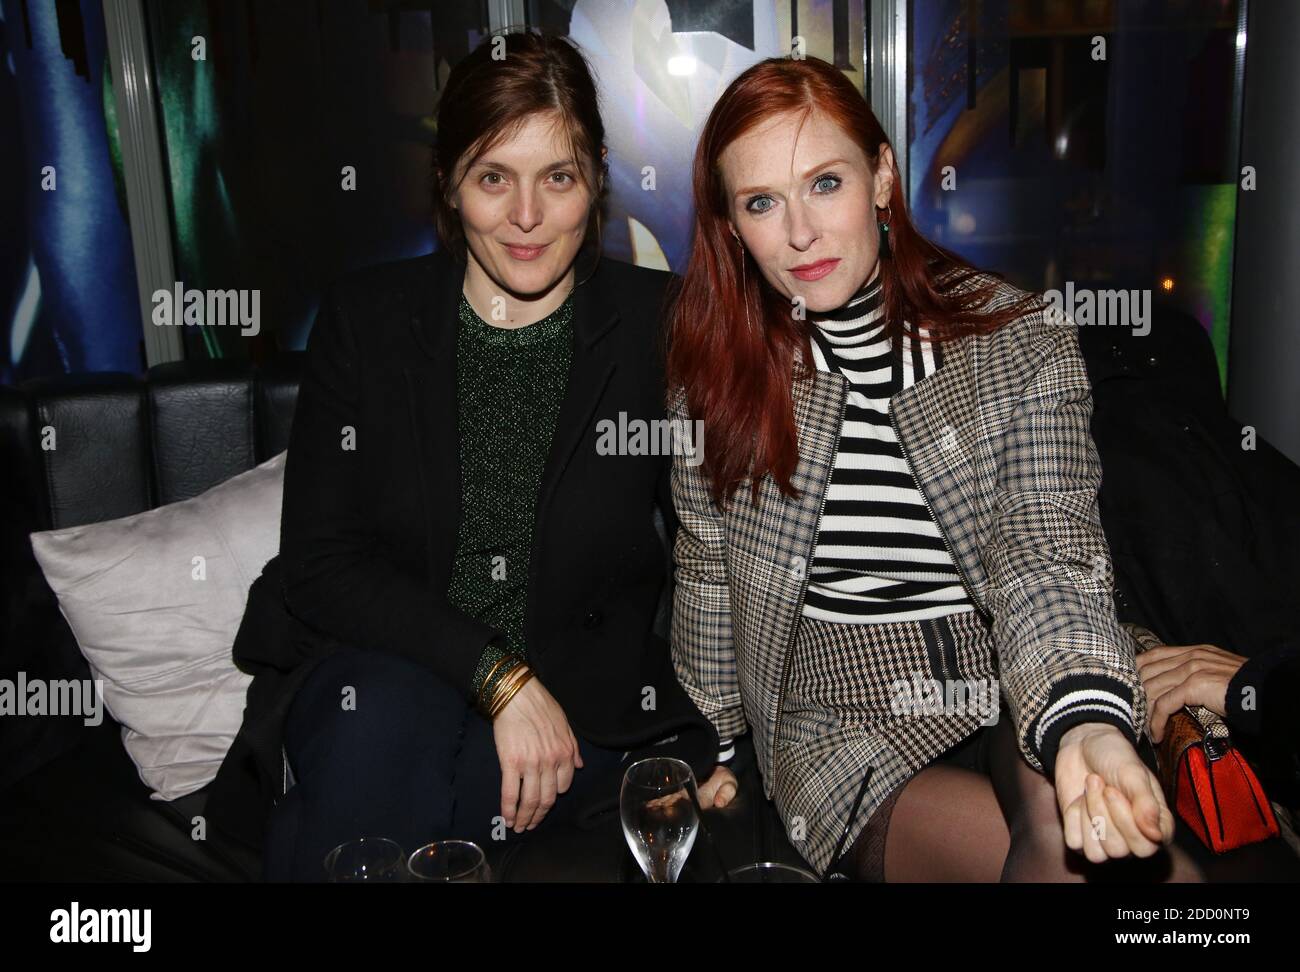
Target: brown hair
486 100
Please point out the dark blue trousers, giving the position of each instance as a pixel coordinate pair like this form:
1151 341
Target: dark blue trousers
411 761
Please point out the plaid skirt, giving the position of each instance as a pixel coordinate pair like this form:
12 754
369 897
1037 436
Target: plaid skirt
890 697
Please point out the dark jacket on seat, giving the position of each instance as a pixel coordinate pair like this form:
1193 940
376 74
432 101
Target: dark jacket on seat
368 534
1204 533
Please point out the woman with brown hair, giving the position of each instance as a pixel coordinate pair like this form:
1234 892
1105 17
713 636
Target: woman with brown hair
894 523
470 581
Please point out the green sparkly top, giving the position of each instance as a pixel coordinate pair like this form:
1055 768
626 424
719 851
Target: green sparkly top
509 386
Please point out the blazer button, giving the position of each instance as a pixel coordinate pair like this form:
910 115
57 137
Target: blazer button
592 620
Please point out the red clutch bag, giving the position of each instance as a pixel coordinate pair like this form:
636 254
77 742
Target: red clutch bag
1210 784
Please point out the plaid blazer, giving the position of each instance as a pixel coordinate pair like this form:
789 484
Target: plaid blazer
998 442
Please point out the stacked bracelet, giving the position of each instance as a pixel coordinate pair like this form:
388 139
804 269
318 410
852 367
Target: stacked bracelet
503 680
508 688
487 687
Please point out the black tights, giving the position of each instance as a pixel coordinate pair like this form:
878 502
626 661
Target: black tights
954 824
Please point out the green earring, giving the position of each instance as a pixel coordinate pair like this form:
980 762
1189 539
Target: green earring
884 230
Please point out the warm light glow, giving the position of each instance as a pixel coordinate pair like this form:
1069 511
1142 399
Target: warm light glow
1167 284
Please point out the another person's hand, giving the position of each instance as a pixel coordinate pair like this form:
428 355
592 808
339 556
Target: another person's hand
538 754
1179 675
1111 804
719 789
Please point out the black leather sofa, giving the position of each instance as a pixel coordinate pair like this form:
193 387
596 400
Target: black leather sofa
71 804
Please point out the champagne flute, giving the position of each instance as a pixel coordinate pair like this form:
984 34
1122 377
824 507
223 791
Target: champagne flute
660 821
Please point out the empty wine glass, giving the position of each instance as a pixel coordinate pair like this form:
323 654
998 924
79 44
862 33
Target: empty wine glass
371 859
450 862
660 820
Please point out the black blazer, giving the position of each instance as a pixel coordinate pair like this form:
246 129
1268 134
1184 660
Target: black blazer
368 534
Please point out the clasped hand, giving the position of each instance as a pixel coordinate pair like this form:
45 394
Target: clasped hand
1111 804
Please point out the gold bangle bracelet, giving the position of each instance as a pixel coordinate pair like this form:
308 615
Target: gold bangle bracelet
506 688
509 697
489 703
518 684
487 679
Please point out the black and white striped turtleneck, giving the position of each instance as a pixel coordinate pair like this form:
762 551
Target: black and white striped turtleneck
879 554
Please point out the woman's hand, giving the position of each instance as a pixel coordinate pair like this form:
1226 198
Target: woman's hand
719 789
1111 804
536 746
1179 675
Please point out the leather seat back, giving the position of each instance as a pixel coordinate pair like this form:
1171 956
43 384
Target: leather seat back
79 449
99 446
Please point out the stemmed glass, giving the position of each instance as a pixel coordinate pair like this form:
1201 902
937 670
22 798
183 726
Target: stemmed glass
450 862
658 807
769 872
374 860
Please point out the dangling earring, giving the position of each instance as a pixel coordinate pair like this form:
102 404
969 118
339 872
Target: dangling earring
744 286
884 229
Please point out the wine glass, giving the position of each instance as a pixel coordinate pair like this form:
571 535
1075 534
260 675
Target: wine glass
660 821
450 862
374 860
769 872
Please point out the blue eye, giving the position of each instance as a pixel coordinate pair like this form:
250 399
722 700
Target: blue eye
834 180
752 204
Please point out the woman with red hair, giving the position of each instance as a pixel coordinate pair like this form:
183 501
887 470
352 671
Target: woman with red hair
893 521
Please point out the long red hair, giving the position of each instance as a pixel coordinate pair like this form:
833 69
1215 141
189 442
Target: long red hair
738 369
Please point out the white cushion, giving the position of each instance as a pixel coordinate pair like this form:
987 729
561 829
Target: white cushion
157 624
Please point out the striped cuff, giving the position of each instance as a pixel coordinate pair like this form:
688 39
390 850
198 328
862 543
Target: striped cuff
726 751
1074 700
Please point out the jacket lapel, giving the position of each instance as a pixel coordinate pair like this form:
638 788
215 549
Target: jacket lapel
590 370
938 423
779 532
591 367
431 391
